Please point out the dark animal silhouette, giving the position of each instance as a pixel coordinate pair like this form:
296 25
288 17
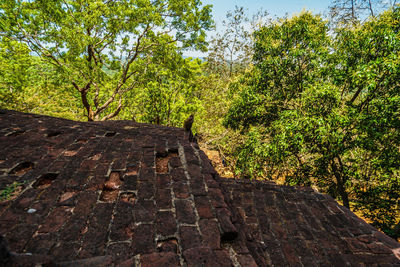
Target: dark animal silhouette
187 125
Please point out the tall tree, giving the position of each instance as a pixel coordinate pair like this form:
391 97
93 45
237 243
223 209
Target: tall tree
324 111
29 84
231 48
351 11
15 65
169 91
99 46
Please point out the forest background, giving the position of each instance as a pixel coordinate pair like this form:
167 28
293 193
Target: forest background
306 99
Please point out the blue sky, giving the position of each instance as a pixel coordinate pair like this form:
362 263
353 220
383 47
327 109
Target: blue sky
275 8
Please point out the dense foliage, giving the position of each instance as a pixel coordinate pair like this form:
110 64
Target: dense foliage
300 100
101 47
323 110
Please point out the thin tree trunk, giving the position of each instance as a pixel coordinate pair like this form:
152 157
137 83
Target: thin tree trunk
370 8
90 113
343 194
340 185
83 91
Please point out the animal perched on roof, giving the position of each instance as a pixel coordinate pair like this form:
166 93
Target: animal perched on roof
188 123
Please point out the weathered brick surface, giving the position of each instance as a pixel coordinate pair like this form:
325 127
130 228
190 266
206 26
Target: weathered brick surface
41 243
145 190
200 256
121 228
163 181
168 245
181 189
203 207
143 241
163 199
223 258
120 251
184 211
210 233
122 193
55 220
190 237
299 227
65 251
166 223
96 235
159 259
100 261
144 210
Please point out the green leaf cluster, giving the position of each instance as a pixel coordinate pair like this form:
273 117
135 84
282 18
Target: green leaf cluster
102 47
169 92
322 108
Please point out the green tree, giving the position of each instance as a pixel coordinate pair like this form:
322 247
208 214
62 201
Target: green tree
99 46
230 54
15 67
169 92
230 50
324 111
29 84
368 80
351 11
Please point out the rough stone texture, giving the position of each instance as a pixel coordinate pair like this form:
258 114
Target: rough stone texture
126 194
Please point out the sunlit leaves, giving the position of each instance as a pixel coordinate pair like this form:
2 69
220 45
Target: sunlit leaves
85 39
324 110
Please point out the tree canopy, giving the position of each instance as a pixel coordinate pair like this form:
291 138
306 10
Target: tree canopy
101 46
323 110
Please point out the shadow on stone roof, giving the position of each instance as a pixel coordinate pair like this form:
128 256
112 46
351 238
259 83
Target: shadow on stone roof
123 193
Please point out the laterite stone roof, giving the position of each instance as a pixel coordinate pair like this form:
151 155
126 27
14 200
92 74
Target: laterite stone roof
120 193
